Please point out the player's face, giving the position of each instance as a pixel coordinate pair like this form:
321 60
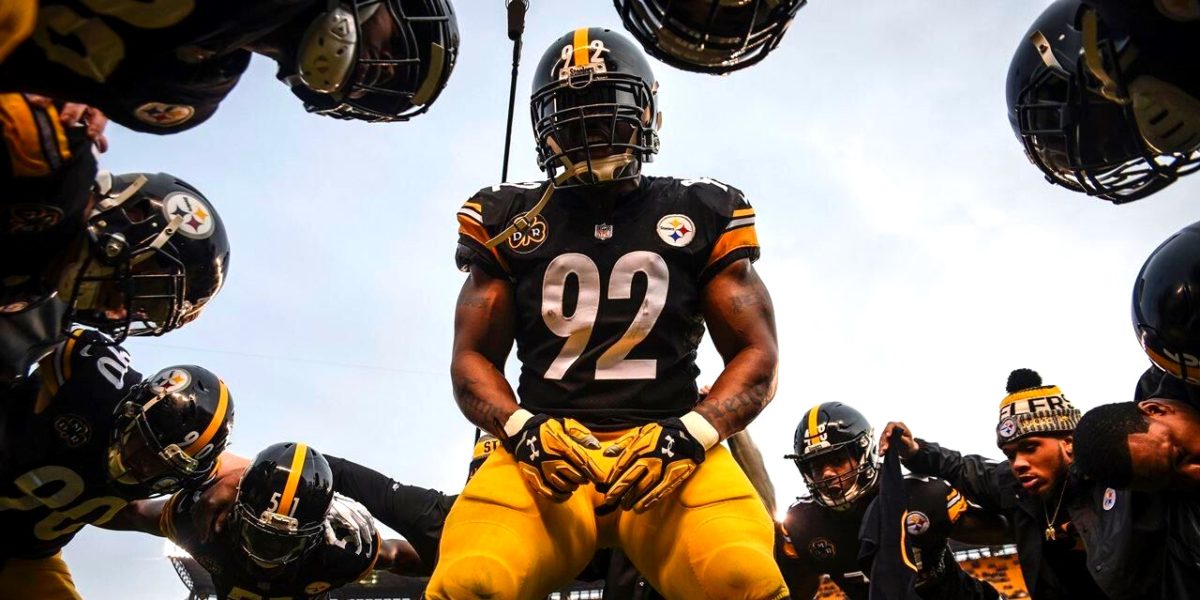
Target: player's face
1167 456
834 473
1039 462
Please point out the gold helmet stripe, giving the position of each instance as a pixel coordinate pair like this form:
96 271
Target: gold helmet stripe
214 425
813 413
581 46
293 480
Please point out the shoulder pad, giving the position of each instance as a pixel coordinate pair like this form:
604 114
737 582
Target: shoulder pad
717 196
73 357
495 205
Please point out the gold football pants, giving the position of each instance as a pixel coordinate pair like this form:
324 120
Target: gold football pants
711 538
16 23
41 578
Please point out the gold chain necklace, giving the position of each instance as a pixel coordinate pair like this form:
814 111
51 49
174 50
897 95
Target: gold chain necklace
1051 535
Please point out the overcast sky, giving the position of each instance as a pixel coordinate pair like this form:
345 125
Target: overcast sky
915 257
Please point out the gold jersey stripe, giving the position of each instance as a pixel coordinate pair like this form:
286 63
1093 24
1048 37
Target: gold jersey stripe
742 212
742 237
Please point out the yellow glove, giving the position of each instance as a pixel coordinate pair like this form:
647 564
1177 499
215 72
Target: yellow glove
552 455
652 461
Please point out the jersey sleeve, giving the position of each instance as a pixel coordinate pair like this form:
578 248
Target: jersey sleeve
175 522
479 219
938 500
733 219
35 142
414 512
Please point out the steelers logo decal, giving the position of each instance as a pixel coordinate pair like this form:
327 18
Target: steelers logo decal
821 548
198 221
524 241
162 114
173 380
1110 499
916 522
73 430
676 230
316 587
1007 428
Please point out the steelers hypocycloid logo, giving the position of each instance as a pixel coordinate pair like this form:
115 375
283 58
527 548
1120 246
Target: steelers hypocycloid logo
173 381
1007 428
531 238
916 522
676 230
198 221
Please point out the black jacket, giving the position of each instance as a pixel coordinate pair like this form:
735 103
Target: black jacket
1124 535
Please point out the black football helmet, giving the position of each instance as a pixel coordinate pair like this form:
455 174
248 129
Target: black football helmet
832 432
708 36
1166 305
281 504
156 254
375 60
169 431
594 109
1099 114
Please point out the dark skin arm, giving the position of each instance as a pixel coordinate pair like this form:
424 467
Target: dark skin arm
483 337
139 515
399 557
741 321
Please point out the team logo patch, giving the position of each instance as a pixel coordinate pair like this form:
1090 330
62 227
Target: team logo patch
916 523
198 221
676 230
162 114
532 238
73 430
603 232
1110 499
14 307
173 381
1007 428
822 549
316 587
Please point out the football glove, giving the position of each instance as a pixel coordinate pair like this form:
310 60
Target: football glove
552 455
652 461
349 526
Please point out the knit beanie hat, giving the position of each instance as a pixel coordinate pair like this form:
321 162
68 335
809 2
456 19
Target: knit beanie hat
1031 408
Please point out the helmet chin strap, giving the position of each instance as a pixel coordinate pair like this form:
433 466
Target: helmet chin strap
1094 60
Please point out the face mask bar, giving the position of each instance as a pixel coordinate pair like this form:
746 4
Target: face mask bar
122 302
377 87
273 539
136 457
698 45
594 129
854 482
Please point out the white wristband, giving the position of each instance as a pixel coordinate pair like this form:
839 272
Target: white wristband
516 422
701 429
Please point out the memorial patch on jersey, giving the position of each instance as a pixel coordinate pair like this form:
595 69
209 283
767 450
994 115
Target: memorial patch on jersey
822 549
73 429
524 241
1110 499
676 230
32 218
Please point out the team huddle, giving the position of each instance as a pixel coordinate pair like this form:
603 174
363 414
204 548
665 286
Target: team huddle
607 460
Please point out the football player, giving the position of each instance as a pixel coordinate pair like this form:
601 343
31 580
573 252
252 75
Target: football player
1075 538
289 535
605 279
1108 107
835 453
148 259
88 436
165 66
708 36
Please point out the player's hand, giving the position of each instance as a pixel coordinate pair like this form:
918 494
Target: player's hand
652 461
909 445
216 502
74 114
348 526
552 455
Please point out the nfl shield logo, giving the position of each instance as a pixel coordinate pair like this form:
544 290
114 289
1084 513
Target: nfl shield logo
604 232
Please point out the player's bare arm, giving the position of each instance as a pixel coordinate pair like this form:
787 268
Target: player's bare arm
399 557
140 515
741 321
483 337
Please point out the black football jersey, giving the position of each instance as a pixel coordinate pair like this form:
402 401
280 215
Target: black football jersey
332 564
158 67
827 541
608 298
56 480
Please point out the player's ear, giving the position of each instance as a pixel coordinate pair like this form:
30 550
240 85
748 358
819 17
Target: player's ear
1155 408
1068 446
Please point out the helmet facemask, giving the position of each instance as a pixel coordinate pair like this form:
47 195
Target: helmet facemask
1080 126
856 477
363 59
273 539
594 127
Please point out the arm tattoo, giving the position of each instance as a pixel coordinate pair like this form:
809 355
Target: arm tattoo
487 415
733 413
